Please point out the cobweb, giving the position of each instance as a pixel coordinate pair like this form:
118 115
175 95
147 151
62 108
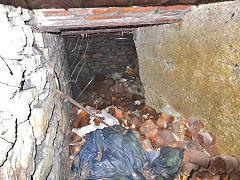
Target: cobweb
77 48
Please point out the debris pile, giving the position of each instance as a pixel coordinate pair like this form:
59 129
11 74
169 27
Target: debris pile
118 100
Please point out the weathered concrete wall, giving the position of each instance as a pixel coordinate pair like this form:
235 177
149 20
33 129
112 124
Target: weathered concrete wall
194 65
32 116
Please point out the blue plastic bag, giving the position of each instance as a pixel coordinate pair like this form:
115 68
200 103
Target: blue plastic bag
108 154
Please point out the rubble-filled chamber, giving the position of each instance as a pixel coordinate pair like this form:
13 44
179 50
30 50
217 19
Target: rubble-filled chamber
140 143
95 58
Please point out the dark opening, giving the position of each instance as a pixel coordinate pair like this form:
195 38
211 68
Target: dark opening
99 59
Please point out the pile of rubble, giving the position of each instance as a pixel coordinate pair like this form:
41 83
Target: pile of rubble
118 100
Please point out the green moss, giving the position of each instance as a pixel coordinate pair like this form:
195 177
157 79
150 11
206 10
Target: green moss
159 103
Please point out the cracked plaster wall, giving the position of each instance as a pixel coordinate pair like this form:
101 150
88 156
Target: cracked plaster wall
32 117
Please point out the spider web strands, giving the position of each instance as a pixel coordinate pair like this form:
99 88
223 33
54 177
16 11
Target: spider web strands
90 81
75 45
81 58
80 70
68 43
77 55
87 85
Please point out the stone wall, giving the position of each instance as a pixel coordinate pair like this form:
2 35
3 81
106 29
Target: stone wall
103 54
194 66
32 117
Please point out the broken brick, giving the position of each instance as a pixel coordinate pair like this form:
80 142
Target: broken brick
195 125
225 165
167 137
161 122
73 138
149 110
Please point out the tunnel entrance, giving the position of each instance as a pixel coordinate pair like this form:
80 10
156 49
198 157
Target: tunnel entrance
104 76
122 125
96 58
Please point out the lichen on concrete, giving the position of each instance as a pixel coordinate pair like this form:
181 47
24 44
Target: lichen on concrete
194 65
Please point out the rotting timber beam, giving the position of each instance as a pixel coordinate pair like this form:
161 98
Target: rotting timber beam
66 4
80 19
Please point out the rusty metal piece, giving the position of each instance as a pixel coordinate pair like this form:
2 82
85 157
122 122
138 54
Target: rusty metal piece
196 157
188 135
98 32
84 109
96 122
79 122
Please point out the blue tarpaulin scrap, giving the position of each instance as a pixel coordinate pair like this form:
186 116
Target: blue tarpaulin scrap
108 154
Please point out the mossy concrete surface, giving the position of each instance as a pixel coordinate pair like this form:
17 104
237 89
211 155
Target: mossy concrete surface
194 65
